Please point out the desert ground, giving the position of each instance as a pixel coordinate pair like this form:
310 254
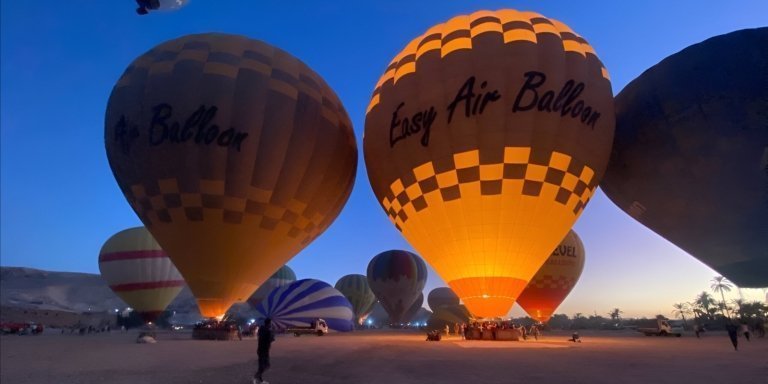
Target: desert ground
383 356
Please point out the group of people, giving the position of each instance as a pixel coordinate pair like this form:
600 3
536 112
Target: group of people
477 330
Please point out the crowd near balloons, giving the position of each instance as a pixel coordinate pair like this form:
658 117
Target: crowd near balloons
485 139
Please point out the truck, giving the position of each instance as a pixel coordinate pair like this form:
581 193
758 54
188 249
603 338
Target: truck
317 327
662 329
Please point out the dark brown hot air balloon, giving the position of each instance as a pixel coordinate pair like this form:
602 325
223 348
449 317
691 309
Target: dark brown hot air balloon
484 140
690 159
233 153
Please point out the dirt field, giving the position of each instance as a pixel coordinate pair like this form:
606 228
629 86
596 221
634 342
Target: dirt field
384 357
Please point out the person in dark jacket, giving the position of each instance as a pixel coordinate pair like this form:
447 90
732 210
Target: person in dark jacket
266 337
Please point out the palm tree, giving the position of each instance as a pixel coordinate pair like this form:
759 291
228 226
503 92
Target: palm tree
704 304
722 285
682 309
615 314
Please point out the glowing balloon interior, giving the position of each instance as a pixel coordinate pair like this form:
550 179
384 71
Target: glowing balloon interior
555 280
233 153
484 140
140 272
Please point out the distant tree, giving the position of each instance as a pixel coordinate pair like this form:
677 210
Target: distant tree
752 310
682 309
559 321
722 285
615 314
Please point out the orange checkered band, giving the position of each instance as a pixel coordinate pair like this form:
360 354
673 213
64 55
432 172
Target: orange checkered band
162 202
457 34
523 172
553 282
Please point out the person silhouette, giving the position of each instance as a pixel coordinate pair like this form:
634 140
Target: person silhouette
266 337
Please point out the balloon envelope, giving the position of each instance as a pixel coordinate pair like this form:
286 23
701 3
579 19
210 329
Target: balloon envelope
355 288
690 158
441 296
397 279
283 276
484 140
555 280
303 301
140 272
414 309
233 153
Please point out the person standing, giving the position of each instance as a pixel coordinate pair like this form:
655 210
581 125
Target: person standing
266 337
733 333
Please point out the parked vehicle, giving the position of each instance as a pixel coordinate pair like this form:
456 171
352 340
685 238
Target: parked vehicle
662 329
317 327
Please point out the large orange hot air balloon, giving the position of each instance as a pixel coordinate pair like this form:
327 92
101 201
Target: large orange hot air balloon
140 272
233 153
484 140
555 280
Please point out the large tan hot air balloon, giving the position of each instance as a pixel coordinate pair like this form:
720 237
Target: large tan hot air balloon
233 153
484 140
555 280
140 272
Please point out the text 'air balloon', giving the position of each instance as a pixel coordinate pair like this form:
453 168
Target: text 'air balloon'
484 140
233 153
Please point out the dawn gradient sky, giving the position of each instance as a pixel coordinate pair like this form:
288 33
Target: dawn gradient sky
61 58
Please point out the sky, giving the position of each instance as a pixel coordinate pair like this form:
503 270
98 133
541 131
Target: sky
60 59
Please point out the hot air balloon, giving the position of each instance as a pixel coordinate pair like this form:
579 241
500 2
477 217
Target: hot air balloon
411 312
397 279
555 280
355 288
233 153
283 276
484 140
140 272
144 6
441 296
304 301
690 158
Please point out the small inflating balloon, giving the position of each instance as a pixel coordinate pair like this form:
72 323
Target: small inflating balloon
397 279
555 280
140 272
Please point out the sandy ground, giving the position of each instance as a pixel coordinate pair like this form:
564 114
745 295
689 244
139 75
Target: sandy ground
384 357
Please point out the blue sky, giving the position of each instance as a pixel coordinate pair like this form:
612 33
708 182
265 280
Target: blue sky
60 60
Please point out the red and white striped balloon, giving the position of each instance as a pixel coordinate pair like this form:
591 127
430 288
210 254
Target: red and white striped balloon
140 272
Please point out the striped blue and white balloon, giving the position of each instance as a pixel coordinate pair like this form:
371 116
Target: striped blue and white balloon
303 301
